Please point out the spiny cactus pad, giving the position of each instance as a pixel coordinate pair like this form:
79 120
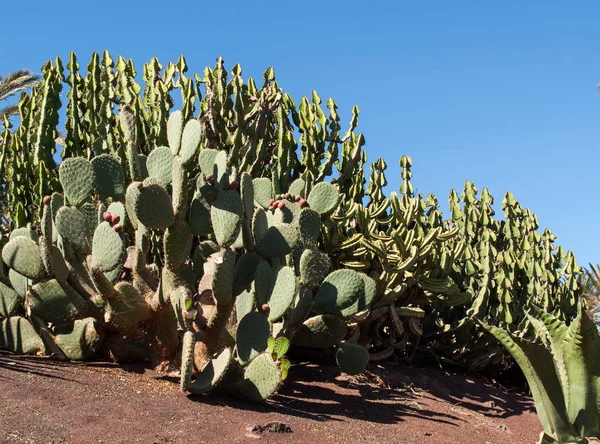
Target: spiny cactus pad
320 332
118 209
174 128
78 178
187 359
190 141
153 207
212 373
339 290
352 358
18 282
263 191
260 224
226 215
263 282
17 334
314 267
278 240
131 196
160 163
252 335
11 302
199 216
278 347
107 248
55 302
110 178
127 309
297 188
177 244
247 193
73 226
82 342
324 198
244 304
282 293
244 272
309 225
261 378
23 255
206 159
222 283
24 231
364 299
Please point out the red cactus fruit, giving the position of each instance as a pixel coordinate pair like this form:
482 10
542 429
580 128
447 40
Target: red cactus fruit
46 200
297 198
209 178
115 219
303 203
118 228
265 308
107 216
234 185
211 196
281 205
271 202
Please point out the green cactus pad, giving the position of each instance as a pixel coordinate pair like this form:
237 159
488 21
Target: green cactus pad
55 302
17 334
128 123
23 255
278 240
278 347
314 267
73 226
177 244
320 331
260 224
309 225
263 191
282 293
19 282
199 217
301 308
160 163
180 187
24 231
187 360
91 215
263 282
261 378
339 290
324 198
174 128
212 373
11 303
364 299
297 188
127 309
107 248
252 335
82 342
118 209
244 304
110 178
143 161
153 207
244 272
220 168
78 178
206 159
190 141
226 215
352 358
247 193
131 196
222 283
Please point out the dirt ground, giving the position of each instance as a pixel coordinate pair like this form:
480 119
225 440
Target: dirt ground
44 401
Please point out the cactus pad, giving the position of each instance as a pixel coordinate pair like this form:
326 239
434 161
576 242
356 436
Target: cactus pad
364 299
55 302
131 196
206 159
244 304
77 177
247 193
24 231
160 163
222 283
226 215
23 255
263 191
314 267
187 360
278 240
252 335
352 358
174 128
320 331
260 224
244 272
19 282
282 293
261 378
110 178
297 188
199 216
117 209
82 342
278 347
17 334
127 309
177 244
11 302
73 226
263 282
339 290
212 373
153 207
107 248
324 198
309 224
190 141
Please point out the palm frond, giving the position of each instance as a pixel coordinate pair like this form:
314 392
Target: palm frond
17 81
10 110
591 289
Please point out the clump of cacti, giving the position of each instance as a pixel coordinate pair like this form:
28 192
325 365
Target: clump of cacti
224 237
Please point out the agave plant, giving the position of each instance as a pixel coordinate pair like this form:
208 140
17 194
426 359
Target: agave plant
563 373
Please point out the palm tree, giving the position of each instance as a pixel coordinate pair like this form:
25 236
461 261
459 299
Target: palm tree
591 290
13 83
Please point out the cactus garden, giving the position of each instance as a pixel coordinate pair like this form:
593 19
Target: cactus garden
220 232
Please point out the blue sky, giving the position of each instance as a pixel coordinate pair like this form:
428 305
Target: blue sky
500 93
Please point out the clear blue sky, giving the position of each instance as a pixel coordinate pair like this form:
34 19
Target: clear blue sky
501 93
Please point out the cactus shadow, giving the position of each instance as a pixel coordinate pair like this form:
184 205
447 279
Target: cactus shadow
34 365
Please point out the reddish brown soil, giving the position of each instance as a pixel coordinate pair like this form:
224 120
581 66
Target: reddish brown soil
44 401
